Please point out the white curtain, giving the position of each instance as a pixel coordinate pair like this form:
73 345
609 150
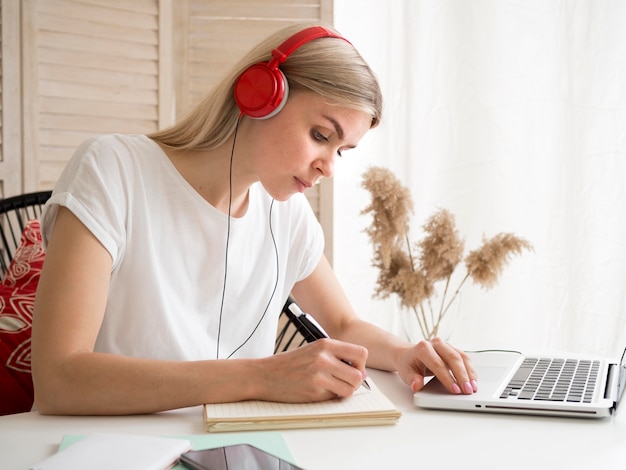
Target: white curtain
512 115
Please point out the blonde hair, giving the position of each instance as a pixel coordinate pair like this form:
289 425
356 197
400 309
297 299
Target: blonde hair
329 67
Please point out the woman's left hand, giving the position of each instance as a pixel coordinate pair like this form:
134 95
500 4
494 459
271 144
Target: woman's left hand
450 365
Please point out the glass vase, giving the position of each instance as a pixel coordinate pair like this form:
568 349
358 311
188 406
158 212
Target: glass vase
430 325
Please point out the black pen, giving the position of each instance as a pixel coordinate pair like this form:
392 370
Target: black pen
312 330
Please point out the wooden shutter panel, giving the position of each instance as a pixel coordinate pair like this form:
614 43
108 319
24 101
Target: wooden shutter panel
97 71
10 100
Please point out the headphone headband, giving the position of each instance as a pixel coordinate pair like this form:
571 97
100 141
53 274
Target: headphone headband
261 90
292 43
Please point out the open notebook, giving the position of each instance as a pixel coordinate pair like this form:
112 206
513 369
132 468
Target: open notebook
363 408
509 382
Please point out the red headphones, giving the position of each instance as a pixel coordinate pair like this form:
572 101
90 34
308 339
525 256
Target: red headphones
261 90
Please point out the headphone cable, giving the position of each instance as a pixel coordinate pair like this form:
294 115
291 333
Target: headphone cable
230 198
269 302
230 203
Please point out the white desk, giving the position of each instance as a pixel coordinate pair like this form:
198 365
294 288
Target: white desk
422 439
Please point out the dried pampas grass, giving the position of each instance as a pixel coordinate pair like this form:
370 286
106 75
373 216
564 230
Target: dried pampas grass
440 251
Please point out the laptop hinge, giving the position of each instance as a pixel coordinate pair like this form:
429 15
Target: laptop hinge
615 384
621 383
610 391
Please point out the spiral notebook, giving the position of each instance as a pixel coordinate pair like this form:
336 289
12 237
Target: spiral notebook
363 408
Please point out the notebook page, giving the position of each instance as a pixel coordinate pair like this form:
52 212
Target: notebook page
362 401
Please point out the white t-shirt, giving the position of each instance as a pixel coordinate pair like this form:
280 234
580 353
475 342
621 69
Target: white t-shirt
168 247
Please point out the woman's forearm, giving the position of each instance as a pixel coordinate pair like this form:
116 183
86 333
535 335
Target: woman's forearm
104 384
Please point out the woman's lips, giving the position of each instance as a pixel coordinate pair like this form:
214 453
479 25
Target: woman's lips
303 185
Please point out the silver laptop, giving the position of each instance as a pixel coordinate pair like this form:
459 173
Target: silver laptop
509 382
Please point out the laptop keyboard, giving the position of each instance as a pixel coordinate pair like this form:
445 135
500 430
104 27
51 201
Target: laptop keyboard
565 380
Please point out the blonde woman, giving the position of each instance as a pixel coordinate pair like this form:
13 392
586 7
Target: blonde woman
169 256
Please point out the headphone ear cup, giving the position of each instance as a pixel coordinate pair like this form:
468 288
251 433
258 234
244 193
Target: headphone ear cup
261 91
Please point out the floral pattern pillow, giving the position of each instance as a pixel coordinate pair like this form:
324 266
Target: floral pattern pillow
17 299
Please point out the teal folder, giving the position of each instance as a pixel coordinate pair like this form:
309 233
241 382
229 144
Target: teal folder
271 442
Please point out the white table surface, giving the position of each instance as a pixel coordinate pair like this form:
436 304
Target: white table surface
422 438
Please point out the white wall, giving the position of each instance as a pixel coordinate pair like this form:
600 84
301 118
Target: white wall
516 123
352 250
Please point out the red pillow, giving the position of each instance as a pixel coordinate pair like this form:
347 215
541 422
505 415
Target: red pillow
17 299
27 261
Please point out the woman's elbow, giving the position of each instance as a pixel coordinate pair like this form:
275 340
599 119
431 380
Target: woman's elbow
44 401
51 392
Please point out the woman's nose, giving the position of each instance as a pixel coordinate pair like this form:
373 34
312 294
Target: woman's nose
326 166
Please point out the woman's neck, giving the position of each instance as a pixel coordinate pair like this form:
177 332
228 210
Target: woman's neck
209 173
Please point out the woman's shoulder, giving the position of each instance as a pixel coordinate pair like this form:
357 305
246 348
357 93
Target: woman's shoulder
115 149
118 141
115 158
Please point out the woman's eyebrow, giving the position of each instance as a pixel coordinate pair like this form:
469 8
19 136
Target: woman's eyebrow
336 125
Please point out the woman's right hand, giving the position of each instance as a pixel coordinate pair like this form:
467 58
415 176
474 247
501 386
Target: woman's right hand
316 371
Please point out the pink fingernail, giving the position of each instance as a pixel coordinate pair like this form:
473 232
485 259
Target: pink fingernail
468 388
456 389
364 374
474 385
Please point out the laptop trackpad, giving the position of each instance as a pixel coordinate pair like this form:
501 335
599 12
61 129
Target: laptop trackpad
491 367
489 377
491 374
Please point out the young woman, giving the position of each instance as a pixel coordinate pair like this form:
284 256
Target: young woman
170 256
